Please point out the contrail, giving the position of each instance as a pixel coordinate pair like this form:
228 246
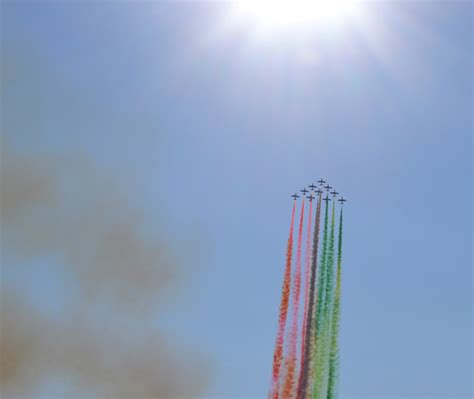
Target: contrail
336 315
278 354
290 361
306 371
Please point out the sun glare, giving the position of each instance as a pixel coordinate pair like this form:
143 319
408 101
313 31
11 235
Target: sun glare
296 13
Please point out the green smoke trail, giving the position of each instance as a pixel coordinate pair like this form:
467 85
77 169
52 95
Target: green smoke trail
336 315
318 339
327 300
327 312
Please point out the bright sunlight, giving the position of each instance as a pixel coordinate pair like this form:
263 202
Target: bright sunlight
276 14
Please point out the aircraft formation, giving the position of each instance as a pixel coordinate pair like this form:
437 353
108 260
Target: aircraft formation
319 189
306 353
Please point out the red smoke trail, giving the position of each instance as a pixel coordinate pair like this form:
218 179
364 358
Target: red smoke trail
278 354
307 276
293 334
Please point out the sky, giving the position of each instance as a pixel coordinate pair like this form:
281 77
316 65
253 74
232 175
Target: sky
208 125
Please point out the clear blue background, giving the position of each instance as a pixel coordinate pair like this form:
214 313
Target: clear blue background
220 127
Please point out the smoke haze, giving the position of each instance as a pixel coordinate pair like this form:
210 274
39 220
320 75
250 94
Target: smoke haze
115 268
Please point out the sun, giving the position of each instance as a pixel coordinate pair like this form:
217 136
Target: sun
277 14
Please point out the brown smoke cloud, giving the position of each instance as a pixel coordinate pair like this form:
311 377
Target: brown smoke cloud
117 265
98 362
65 207
61 207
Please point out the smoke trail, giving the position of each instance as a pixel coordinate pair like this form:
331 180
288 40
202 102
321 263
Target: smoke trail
306 370
307 276
278 354
317 342
327 313
293 333
334 348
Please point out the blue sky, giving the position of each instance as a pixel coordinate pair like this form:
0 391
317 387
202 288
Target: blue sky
211 129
